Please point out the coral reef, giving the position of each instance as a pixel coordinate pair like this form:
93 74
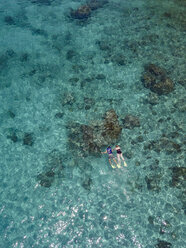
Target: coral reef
46 178
28 139
153 183
163 244
178 177
155 78
163 144
130 121
53 169
88 139
83 12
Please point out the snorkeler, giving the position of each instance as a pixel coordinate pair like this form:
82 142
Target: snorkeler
119 155
111 156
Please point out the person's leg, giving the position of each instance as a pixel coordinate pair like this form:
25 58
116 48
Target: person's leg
125 164
118 157
115 161
122 157
112 165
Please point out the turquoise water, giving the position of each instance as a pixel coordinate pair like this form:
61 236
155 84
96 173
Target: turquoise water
58 74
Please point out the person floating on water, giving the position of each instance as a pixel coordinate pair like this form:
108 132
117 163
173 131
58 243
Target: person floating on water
119 155
110 156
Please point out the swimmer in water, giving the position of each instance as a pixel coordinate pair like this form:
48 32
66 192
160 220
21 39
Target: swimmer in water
119 155
110 156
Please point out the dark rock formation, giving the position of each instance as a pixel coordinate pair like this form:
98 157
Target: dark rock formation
153 183
3 62
38 31
73 80
68 99
87 183
10 53
182 82
119 59
178 177
180 104
88 139
112 128
11 114
155 78
83 12
155 70
9 20
163 244
100 76
163 144
59 115
53 170
13 137
24 57
28 139
153 98
89 102
42 2
96 4
46 178
81 139
70 54
104 45
130 122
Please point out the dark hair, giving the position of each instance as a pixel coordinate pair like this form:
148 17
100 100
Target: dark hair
108 147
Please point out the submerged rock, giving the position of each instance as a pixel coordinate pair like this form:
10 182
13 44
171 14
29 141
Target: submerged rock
182 82
130 121
112 128
178 176
119 59
59 115
9 20
83 12
87 183
68 99
153 183
163 144
70 54
28 139
155 78
54 169
88 139
81 139
42 2
155 70
153 98
163 244
3 61
96 4
13 137
46 178
88 102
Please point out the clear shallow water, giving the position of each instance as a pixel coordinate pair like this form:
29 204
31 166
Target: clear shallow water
49 64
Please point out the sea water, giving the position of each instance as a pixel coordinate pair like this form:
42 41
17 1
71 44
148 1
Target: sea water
56 70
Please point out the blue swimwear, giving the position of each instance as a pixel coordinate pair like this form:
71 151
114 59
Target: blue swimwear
109 151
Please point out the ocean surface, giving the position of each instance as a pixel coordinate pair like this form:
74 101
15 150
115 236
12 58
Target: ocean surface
75 78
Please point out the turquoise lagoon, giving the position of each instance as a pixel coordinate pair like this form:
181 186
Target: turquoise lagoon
58 74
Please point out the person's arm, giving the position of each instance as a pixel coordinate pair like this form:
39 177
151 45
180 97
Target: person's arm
104 152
